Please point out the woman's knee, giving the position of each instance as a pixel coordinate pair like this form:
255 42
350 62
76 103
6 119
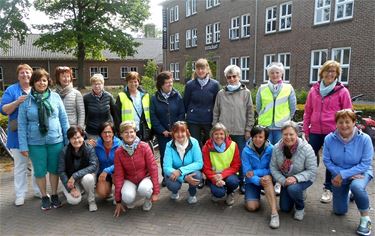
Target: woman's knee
73 200
252 206
103 189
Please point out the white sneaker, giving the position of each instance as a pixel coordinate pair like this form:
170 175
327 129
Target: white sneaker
19 201
38 195
298 215
192 199
277 189
230 199
175 196
93 207
326 196
275 222
147 205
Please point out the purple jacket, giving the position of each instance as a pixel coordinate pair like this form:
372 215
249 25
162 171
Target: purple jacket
319 116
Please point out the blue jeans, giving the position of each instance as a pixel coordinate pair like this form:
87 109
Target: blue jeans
358 188
293 195
231 183
316 141
162 142
175 186
274 136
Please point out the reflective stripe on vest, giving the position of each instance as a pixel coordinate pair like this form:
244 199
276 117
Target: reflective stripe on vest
127 108
222 160
282 110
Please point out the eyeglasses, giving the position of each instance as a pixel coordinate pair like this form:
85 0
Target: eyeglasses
231 76
107 132
331 71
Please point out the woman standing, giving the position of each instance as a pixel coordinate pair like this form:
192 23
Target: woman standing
325 98
348 154
72 98
42 127
183 162
293 165
167 107
199 99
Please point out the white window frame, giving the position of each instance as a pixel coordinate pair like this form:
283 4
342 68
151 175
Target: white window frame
176 14
176 41
344 4
1 74
216 32
325 7
171 42
234 61
272 20
177 71
191 7
194 37
188 38
245 26
216 2
94 70
171 68
171 15
285 55
344 66
209 4
267 59
234 30
245 69
209 34
316 67
285 17
123 72
104 71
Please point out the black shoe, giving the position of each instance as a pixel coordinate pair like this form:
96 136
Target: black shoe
201 184
46 203
163 184
242 188
55 202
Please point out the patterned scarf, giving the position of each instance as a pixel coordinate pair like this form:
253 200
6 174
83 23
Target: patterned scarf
44 108
130 148
64 91
287 166
203 81
275 88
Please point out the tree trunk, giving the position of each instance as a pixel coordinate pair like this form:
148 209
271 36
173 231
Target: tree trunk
81 60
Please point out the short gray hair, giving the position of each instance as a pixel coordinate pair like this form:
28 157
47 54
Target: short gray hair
275 66
219 126
232 70
290 124
97 77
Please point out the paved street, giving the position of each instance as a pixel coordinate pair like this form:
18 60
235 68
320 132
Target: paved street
171 218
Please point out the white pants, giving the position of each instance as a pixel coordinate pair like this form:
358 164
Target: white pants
20 174
88 184
129 190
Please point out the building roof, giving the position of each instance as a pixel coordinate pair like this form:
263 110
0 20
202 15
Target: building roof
150 48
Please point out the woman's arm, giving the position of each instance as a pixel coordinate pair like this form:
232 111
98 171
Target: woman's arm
155 121
292 102
310 166
197 163
22 128
80 109
92 168
275 170
118 176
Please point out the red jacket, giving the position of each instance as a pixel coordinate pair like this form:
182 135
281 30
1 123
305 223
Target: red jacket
234 167
135 168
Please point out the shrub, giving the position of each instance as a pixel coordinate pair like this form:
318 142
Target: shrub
301 95
3 121
148 84
151 68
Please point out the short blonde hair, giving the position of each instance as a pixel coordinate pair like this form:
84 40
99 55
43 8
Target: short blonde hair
127 124
202 63
328 64
275 66
97 77
24 66
219 126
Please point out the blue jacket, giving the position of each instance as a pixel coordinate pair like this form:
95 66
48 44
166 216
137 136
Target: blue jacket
106 163
259 164
28 123
11 94
348 159
199 101
164 112
191 162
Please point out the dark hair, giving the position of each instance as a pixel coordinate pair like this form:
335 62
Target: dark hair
38 75
73 130
259 129
133 75
180 126
161 78
61 70
105 125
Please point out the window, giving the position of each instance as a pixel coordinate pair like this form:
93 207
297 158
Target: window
212 3
234 31
208 34
285 59
1 73
285 22
322 11
191 7
126 69
194 37
177 41
342 55
94 70
188 38
271 19
171 42
234 61
318 57
173 14
344 9
216 32
74 72
245 29
245 64
268 58
174 68
104 72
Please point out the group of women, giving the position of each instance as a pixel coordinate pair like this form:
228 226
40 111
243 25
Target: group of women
206 136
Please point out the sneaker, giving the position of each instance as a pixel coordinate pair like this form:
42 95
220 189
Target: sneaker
326 196
19 201
55 202
277 189
93 206
38 195
262 192
163 183
201 184
216 199
230 199
192 199
147 205
364 230
175 196
299 214
351 196
275 222
46 203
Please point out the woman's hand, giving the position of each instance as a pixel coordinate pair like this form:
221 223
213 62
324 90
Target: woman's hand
220 183
119 208
250 174
154 197
191 180
290 181
75 193
70 183
337 181
103 176
92 142
175 174
359 176
247 135
25 153
166 133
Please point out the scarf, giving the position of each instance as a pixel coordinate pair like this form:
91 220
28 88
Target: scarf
203 81
325 90
232 88
44 109
348 139
97 96
64 91
166 95
181 148
220 148
75 161
130 148
287 166
275 88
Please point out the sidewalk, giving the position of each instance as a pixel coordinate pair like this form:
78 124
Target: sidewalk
171 218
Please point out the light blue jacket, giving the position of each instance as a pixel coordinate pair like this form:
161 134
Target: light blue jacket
348 159
259 164
192 160
28 123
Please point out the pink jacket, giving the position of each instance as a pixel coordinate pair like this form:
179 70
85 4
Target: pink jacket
319 116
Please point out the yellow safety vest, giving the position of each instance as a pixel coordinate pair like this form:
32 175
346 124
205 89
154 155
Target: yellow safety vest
127 108
222 160
274 110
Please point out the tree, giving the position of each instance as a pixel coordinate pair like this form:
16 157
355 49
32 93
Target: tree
88 27
12 14
151 68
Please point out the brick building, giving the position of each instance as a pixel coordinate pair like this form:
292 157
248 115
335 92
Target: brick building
114 69
301 34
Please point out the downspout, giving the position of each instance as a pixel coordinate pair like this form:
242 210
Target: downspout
255 42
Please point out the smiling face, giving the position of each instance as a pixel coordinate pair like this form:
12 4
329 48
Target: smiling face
329 75
97 87
24 76
129 135
41 85
107 135
76 141
65 79
259 139
233 79
275 76
219 136
345 126
290 136
133 85
180 136
167 86
201 72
